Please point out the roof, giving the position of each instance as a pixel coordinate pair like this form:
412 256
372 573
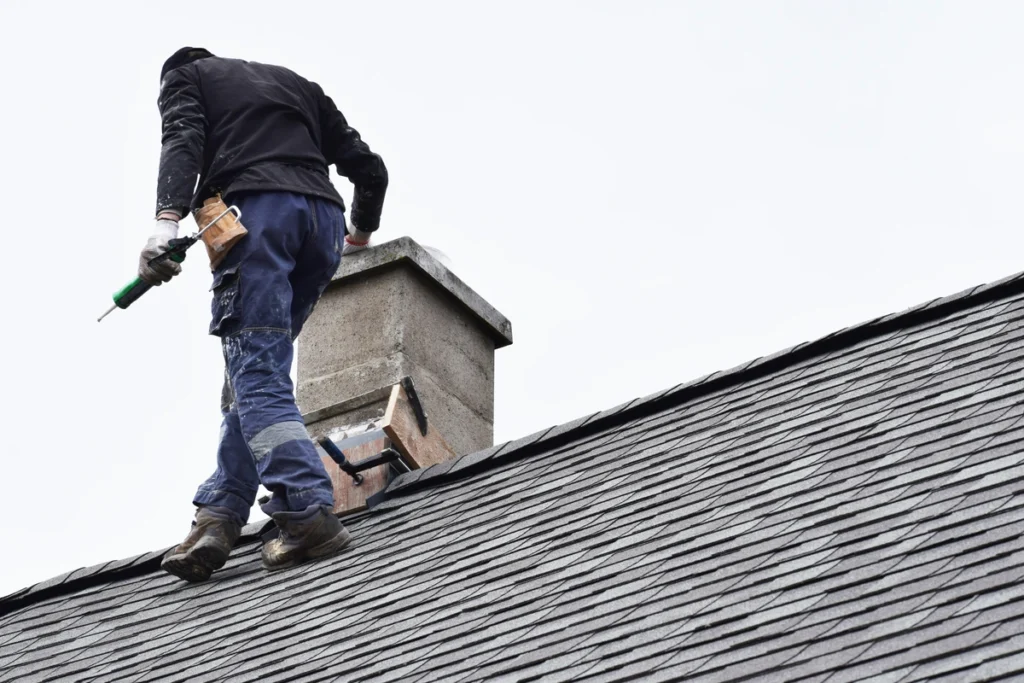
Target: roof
845 510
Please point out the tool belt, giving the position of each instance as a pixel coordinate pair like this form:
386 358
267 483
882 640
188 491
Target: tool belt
223 234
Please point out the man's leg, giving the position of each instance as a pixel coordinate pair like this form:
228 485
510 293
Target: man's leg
271 426
252 313
234 483
303 496
315 532
316 262
223 503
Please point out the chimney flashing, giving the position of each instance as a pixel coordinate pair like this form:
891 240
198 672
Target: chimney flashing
347 406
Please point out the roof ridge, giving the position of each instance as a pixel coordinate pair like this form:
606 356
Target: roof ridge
553 437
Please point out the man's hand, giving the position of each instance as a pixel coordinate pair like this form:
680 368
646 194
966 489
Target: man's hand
356 240
165 230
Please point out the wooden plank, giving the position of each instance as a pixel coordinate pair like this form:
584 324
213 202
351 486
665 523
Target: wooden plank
399 430
400 425
347 496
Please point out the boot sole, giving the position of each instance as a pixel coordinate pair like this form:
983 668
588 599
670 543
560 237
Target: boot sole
325 549
210 557
197 564
184 568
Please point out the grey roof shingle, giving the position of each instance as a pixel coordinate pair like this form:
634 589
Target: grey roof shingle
846 510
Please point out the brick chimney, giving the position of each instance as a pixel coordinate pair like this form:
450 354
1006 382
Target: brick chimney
391 312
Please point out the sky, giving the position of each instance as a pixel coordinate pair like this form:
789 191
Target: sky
649 191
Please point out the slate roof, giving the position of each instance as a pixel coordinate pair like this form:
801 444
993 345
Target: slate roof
846 510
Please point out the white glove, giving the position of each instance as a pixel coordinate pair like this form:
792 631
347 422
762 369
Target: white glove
355 240
164 231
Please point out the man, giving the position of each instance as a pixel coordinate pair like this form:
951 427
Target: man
262 137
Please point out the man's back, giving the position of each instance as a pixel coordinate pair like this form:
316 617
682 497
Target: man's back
246 126
263 126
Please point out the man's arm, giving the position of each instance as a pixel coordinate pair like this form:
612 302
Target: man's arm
352 157
181 158
184 135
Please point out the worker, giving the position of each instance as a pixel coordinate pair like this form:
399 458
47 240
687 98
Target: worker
262 137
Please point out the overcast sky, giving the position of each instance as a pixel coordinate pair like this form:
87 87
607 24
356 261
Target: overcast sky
650 191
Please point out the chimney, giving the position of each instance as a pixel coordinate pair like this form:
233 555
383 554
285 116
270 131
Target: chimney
390 313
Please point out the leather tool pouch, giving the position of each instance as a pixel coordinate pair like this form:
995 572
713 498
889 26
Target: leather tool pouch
223 234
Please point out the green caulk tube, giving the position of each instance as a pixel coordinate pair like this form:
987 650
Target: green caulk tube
133 291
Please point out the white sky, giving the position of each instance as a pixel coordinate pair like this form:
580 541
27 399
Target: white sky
649 190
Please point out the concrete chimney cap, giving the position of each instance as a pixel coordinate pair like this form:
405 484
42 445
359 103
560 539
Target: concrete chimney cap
405 249
439 255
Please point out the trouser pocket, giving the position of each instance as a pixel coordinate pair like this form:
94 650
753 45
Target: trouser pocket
339 232
226 306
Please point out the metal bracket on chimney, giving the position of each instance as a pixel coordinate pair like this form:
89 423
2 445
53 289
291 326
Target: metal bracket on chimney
414 402
389 456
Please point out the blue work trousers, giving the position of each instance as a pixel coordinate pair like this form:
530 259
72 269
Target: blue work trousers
263 292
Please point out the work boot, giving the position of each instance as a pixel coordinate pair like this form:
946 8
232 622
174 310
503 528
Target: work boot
207 546
307 535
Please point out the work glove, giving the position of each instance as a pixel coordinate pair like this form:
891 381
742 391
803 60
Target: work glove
355 240
164 232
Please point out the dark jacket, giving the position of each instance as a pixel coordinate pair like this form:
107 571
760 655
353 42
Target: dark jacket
247 126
